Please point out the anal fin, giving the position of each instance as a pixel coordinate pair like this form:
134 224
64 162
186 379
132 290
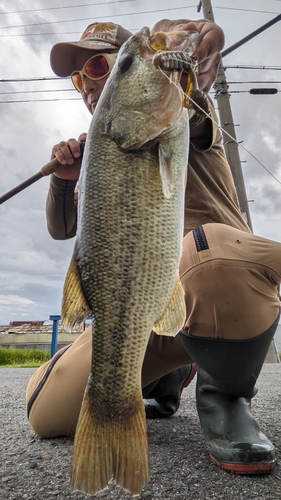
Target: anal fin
174 315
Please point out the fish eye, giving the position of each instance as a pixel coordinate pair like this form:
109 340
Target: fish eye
125 62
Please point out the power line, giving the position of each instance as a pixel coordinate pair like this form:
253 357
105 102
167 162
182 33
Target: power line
96 17
247 10
233 139
43 100
100 17
33 79
254 81
76 98
58 78
278 68
244 92
79 99
37 91
43 34
65 7
120 1
19 80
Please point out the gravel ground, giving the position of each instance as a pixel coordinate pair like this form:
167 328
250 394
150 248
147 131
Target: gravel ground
32 468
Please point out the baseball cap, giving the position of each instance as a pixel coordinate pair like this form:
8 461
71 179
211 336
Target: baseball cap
97 36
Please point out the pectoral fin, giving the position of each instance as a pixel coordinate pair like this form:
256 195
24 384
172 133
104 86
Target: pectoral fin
166 173
74 305
174 316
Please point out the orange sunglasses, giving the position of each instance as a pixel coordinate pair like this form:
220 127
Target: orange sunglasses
96 68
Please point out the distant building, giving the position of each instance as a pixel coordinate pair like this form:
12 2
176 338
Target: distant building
21 323
22 327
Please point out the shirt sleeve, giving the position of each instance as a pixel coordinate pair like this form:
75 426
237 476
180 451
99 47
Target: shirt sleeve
204 131
61 209
210 191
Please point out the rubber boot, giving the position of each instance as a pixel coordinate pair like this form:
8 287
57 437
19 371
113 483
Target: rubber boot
148 388
227 371
162 399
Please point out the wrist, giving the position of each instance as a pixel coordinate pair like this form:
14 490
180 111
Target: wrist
60 183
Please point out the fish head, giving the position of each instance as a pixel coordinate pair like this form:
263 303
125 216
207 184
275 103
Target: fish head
142 100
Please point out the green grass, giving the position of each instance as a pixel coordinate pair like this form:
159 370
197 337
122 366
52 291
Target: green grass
22 358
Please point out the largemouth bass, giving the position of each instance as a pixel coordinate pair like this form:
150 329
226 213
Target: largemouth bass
125 266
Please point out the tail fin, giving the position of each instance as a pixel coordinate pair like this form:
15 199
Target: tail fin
110 448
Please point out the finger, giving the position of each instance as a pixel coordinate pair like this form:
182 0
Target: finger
74 147
212 41
176 25
187 26
82 137
208 72
62 152
69 172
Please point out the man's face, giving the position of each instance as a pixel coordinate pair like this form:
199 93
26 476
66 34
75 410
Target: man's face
92 89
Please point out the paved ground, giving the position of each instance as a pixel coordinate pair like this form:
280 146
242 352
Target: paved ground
32 468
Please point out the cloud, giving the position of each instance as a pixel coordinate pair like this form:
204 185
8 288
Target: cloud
15 300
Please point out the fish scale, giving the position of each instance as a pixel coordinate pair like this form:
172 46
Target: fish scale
131 282
125 266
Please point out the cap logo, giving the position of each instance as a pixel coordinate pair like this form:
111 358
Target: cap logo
100 30
96 43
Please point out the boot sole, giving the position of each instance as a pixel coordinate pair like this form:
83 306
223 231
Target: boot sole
248 469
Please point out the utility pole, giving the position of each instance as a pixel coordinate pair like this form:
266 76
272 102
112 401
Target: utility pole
226 120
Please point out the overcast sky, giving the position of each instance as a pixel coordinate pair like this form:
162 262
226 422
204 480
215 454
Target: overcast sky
32 265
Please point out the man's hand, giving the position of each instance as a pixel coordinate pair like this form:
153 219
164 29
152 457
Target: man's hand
69 154
208 51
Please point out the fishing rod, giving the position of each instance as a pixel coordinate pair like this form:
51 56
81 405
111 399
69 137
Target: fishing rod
48 169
